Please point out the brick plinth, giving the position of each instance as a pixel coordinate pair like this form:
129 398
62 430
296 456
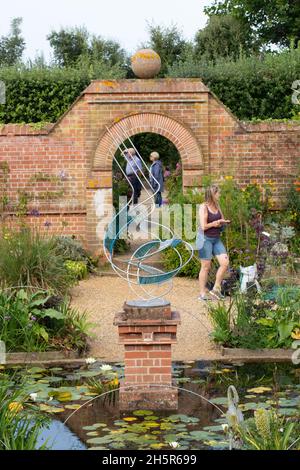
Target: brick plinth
147 333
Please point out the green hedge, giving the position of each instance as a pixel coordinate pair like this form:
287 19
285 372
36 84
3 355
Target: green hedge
254 87
34 95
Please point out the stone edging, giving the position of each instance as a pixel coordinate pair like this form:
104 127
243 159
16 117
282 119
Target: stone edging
257 355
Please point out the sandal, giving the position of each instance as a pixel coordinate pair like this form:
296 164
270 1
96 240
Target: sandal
204 298
217 294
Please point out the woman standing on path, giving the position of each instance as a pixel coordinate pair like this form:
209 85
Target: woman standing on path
211 223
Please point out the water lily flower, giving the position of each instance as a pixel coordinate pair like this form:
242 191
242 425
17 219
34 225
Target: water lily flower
33 396
90 360
174 444
15 406
105 368
225 428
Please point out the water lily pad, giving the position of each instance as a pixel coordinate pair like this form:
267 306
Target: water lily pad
183 380
72 407
213 428
50 409
35 370
142 413
288 411
219 400
200 435
157 445
183 418
259 390
253 406
61 395
100 440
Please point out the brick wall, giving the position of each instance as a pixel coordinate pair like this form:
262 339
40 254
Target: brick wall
74 155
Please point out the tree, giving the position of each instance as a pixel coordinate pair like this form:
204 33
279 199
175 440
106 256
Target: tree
223 36
274 22
68 45
75 45
13 45
168 43
107 51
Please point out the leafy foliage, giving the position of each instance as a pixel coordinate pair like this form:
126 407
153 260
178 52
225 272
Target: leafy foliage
253 322
72 45
168 43
19 428
35 94
275 22
223 36
28 258
28 322
251 87
13 45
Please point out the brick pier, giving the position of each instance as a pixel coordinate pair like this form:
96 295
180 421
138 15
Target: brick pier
147 333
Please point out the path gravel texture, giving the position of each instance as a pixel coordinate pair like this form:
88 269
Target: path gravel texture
102 297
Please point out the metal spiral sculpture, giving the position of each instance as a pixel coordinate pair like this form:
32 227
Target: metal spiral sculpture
142 278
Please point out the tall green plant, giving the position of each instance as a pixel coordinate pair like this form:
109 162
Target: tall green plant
28 258
20 426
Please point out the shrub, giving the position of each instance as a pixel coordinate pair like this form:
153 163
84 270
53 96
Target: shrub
28 258
251 87
258 322
44 94
267 430
70 249
76 269
28 323
171 261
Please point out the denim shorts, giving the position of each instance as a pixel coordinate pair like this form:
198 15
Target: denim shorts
213 246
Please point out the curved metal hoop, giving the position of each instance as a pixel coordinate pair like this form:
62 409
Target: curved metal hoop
138 273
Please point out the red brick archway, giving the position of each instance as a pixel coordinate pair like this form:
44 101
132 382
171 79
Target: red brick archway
177 133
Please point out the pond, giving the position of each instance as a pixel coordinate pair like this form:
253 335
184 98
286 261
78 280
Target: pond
81 420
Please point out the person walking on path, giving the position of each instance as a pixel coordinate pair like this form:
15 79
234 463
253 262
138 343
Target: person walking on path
211 223
133 167
156 177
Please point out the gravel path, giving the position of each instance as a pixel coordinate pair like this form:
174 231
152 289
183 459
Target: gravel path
102 297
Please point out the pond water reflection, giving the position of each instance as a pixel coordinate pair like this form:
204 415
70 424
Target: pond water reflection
70 395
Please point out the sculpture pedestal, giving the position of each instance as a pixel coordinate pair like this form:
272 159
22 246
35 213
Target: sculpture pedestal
147 331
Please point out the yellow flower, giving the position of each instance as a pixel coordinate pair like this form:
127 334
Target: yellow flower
129 419
228 177
296 333
114 382
15 406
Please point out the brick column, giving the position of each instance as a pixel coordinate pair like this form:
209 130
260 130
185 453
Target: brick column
147 333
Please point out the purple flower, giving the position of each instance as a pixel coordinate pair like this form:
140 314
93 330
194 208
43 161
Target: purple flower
63 175
35 212
32 318
47 223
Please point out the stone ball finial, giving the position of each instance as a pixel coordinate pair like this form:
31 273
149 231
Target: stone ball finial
146 63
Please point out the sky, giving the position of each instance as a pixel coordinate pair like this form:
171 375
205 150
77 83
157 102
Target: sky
122 20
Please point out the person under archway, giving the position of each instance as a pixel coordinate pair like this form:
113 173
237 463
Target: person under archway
133 169
212 223
156 177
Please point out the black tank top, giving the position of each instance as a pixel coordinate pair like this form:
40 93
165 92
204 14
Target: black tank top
211 217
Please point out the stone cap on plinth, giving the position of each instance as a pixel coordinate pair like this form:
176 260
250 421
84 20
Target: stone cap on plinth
121 319
157 309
